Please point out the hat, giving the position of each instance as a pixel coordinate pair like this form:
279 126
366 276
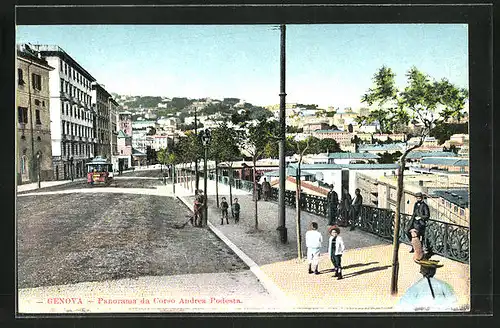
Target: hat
333 227
429 264
419 194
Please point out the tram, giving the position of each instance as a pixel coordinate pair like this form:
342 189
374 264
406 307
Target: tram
99 171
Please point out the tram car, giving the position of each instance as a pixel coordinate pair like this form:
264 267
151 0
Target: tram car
99 171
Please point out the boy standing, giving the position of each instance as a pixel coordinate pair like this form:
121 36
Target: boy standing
236 210
335 249
313 244
224 206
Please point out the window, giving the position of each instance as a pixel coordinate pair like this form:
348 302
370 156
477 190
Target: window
63 128
43 103
22 113
462 212
455 209
37 81
37 102
37 115
38 139
20 79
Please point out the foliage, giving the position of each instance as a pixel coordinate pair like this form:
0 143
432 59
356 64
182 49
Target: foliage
424 102
388 158
257 136
443 132
224 146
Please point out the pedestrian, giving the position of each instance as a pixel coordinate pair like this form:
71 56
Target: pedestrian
336 248
429 293
313 244
345 207
355 208
199 201
224 206
236 210
266 189
332 201
418 222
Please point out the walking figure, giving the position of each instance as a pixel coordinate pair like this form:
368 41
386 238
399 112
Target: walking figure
355 208
223 207
336 248
266 189
332 201
313 244
418 223
236 211
345 207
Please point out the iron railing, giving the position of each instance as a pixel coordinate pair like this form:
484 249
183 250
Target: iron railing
446 239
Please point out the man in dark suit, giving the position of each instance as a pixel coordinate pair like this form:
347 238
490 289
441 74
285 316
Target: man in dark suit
418 221
355 208
332 202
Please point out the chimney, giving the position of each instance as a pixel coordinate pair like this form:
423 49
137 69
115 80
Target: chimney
421 183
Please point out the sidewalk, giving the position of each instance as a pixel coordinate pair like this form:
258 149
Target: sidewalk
367 260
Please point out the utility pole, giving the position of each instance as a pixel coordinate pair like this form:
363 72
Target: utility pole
197 181
282 173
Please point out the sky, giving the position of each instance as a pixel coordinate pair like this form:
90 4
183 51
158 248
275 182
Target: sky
326 64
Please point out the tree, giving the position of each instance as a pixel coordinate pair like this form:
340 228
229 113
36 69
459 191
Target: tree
424 102
388 158
224 149
254 142
328 145
443 132
301 148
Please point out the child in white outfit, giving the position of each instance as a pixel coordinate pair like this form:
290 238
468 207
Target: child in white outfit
335 249
313 244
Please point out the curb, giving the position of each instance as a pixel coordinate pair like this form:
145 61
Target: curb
266 282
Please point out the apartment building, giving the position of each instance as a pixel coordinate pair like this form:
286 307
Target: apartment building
101 103
72 129
33 141
342 137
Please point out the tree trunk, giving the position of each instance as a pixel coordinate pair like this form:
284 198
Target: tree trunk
230 187
297 210
191 177
256 196
397 221
217 182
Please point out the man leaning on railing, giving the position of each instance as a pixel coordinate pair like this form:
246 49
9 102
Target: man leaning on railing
418 222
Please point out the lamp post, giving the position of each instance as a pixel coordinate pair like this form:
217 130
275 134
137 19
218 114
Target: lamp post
282 172
205 139
38 156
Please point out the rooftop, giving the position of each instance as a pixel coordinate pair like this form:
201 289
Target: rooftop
374 147
422 154
448 161
352 156
458 197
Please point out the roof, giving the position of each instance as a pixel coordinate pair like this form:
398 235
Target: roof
290 171
352 156
448 161
136 152
458 197
122 134
330 131
347 166
48 50
384 147
422 154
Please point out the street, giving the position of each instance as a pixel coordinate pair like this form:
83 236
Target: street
81 237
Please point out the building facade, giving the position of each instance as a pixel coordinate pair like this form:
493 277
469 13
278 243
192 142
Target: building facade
101 103
33 142
72 131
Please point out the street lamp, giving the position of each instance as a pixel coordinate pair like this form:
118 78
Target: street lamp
205 139
38 156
